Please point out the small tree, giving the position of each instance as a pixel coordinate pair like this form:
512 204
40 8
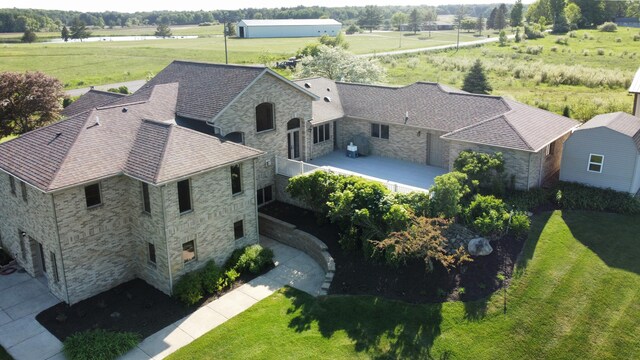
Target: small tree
29 36
448 190
29 100
163 30
468 24
398 19
476 81
415 20
574 14
480 25
516 14
65 34
502 38
491 20
518 38
337 64
79 29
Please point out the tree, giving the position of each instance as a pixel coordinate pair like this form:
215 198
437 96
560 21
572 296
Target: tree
336 63
414 20
502 38
516 14
163 30
480 24
476 81
29 101
79 29
429 16
537 10
501 17
593 12
65 33
491 20
29 36
370 18
468 24
398 19
560 23
573 13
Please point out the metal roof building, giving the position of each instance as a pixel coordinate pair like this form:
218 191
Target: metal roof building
288 28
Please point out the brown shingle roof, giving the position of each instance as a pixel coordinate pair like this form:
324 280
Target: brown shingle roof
323 110
89 101
621 122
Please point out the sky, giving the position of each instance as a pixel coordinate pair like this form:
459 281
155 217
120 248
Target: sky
146 5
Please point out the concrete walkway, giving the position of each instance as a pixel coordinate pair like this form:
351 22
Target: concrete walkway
23 297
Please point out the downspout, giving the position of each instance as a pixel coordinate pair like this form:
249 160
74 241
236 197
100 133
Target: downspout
540 171
166 242
64 272
255 190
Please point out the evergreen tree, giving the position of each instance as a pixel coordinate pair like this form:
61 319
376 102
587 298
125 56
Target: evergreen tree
29 36
516 14
518 38
163 30
65 33
79 29
414 20
475 81
491 20
480 24
501 17
560 23
370 18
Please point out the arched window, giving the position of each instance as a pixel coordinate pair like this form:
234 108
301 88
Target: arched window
264 117
293 124
236 137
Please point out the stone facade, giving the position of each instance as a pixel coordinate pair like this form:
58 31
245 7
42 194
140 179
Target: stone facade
323 147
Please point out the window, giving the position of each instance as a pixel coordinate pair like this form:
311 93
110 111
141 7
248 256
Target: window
146 201
42 256
264 117
188 251
293 124
23 189
92 195
12 183
265 195
380 131
152 253
236 179
550 149
595 163
321 133
54 267
238 230
184 196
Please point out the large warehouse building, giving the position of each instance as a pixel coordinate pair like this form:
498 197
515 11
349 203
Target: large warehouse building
288 28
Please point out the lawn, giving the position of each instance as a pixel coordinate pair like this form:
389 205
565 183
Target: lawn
616 66
575 296
96 63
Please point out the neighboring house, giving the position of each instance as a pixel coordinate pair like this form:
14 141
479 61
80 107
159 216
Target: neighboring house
605 152
431 124
288 28
153 184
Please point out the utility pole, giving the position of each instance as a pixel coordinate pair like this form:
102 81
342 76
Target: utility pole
226 54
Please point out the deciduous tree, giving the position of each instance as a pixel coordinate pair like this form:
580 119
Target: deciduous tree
28 101
516 14
370 18
398 19
163 30
64 34
79 29
29 36
414 20
337 64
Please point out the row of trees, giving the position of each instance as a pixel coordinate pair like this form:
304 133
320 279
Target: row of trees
566 14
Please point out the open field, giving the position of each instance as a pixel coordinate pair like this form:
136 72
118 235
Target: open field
575 296
589 75
83 64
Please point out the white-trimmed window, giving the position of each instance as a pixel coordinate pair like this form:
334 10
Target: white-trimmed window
596 162
380 131
321 133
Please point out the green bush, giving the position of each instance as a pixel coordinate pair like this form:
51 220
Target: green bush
352 29
534 50
527 200
485 171
581 197
210 277
448 191
314 189
254 259
487 215
562 40
533 32
636 37
189 288
520 224
608 27
417 201
99 344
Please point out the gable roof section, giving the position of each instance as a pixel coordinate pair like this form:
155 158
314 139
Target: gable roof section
90 100
621 122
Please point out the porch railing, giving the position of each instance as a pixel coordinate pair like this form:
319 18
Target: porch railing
290 168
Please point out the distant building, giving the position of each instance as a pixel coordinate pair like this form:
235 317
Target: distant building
627 21
288 28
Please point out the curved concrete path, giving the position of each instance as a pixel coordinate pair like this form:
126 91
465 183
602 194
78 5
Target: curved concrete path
23 297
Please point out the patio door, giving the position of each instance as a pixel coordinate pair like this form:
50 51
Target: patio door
293 139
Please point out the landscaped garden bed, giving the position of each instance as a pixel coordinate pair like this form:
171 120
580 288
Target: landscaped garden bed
357 275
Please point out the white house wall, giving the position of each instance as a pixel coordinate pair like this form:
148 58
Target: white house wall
284 31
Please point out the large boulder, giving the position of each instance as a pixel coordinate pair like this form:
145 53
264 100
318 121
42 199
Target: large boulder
479 247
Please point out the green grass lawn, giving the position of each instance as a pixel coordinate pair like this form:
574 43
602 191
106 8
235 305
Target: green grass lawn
7 138
619 61
575 296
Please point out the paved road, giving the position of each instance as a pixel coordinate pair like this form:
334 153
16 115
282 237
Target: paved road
436 48
132 85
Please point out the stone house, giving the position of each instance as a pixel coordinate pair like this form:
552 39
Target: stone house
157 183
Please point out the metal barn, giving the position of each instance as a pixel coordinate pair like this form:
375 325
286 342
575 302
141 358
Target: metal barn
288 28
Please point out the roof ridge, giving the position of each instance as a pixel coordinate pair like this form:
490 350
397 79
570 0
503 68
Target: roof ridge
473 125
108 106
66 156
257 67
517 133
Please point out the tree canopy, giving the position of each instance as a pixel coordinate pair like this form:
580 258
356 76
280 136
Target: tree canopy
516 14
476 81
370 18
335 63
163 30
28 101
79 30
398 19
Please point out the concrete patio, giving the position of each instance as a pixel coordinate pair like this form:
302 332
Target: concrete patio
23 297
382 168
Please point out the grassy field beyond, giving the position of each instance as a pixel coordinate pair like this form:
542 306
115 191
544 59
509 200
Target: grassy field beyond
575 296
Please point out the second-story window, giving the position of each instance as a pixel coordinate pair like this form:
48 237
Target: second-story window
236 179
184 196
92 195
146 201
264 117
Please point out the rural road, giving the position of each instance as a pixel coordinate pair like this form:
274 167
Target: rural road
131 85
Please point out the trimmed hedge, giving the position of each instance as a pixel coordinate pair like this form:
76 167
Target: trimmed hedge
99 344
581 197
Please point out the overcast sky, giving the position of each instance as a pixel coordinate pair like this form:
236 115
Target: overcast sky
146 5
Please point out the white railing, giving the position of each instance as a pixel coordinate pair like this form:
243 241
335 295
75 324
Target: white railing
290 168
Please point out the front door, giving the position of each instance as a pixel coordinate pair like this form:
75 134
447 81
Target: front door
293 139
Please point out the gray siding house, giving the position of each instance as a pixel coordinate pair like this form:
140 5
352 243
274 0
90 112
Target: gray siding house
605 152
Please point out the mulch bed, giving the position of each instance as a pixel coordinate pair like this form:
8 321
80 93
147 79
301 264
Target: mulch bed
134 306
356 275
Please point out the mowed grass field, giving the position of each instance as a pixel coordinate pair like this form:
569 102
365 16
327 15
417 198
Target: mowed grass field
605 64
575 296
96 63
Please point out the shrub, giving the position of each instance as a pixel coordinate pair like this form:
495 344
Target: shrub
99 344
636 37
502 38
352 29
314 189
413 62
585 52
189 288
520 224
417 201
254 259
210 277
608 27
484 171
618 40
448 190
527 200
600 51
533 32
534 50
554 49
487 215
582 197
573 34
562 40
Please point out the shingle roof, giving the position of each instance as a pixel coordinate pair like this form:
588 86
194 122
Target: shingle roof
291 22
621 122
109 141
90 100
323 110
205 89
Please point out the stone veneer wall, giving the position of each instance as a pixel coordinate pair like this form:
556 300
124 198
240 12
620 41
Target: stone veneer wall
324 147
37 219
407 143
289 104
551 164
